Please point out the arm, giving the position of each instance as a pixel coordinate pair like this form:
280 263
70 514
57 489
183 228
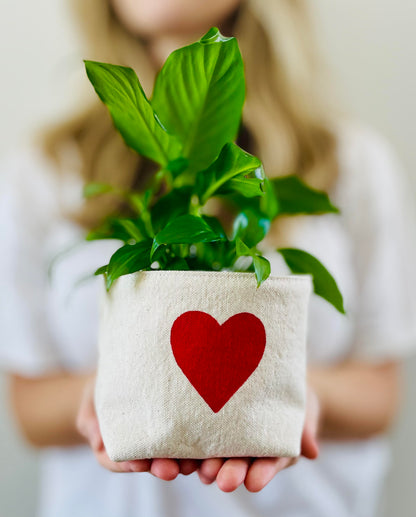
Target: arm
59 410
358 400
46 407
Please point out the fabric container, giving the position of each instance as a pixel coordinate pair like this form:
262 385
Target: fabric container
198 364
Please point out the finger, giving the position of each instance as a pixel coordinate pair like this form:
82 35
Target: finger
105 462
209 469
122 466
90 429
165 468
263 470
139 465
86 420
232 474
309 445
188 466
87 407
82 422
94 435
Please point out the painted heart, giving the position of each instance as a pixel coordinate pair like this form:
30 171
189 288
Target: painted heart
217 359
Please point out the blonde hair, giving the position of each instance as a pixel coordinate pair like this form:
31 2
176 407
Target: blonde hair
284 113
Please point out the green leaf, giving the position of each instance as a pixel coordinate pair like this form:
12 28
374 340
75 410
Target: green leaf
128 259
177 166
178 264
248 187
301 262
95 189
251 227
268 204
216 226
199 95
101 270
229 173
185 229
261 265
261 268
109 229
295 197
212 256
122 229
120 90
171 205
134 228
242 249
136 201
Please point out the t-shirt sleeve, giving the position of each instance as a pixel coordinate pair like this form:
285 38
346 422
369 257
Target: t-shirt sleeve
26 203
382 220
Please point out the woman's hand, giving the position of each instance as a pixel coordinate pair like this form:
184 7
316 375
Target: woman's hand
258 472
87 425
229 473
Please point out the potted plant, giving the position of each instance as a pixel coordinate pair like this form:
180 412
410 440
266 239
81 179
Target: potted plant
201 351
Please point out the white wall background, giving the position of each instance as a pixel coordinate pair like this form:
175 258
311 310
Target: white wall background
370 48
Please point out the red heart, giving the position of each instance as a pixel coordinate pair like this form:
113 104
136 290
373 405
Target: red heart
217 359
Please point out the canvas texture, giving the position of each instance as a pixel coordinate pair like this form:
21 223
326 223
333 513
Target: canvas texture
197 364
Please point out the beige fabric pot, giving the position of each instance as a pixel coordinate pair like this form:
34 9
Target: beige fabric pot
196 364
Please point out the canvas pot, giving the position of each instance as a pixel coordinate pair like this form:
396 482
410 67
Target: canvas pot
196 364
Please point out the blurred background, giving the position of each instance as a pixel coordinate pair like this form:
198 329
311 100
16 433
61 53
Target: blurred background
370 49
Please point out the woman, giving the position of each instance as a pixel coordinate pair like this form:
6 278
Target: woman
48 331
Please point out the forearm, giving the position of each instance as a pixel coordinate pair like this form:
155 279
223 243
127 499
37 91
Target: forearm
357 400
46 408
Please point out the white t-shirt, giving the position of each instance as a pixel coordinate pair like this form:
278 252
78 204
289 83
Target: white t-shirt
49 323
